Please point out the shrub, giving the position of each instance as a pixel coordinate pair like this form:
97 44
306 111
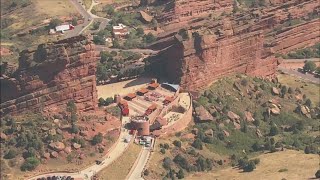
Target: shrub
167 163
101 102
30 164
181 161
283 170
74 129
184 34
108 101
146 172
197 144
317 174
177 143
163 151
244 82
166 146
273 130
249 167
97 139
308 103
10 154
180 174
309 66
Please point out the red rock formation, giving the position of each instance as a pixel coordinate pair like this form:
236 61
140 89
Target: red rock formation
50 76
242 43
302 35
185 10
196 63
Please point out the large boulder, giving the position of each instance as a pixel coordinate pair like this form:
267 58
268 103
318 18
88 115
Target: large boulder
54 154
305 110
226 133
58 146
275 109
233 116
275 91
203 115
3 137
67 150
76 145
46 155
248 116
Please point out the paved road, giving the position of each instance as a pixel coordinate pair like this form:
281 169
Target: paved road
142 161
115 153
145 51
307 77
79 28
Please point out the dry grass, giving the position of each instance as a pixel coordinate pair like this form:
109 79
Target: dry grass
120 168
87 3
54 8
299 166
310 89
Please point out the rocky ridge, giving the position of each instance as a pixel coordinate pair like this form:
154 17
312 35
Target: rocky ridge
52 75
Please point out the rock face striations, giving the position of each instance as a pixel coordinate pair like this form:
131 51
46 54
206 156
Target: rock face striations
244 42
181 11
52 75
199 61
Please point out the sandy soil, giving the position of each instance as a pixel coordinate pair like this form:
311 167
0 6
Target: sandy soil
122 88
299 166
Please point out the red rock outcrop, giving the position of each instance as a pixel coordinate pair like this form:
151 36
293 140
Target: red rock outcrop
185 10
302 35
52 75
241 43
196 63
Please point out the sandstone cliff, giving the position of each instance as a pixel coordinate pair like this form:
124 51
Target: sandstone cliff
50 76
244 42
197 62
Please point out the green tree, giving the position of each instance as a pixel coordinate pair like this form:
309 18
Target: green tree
317 174
149 38
318 69
180 174
31 152
184 34
140 31
249 167
197 144
308 103
54 22
273 130
309 66
108 101
74 117
167 163
74 128
101 102
74 21
100 40
10 154
30 164
177 143
283 90
97 139
163 151
71 106
109 9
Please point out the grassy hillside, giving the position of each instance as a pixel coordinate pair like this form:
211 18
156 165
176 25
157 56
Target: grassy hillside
242 127
20 16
